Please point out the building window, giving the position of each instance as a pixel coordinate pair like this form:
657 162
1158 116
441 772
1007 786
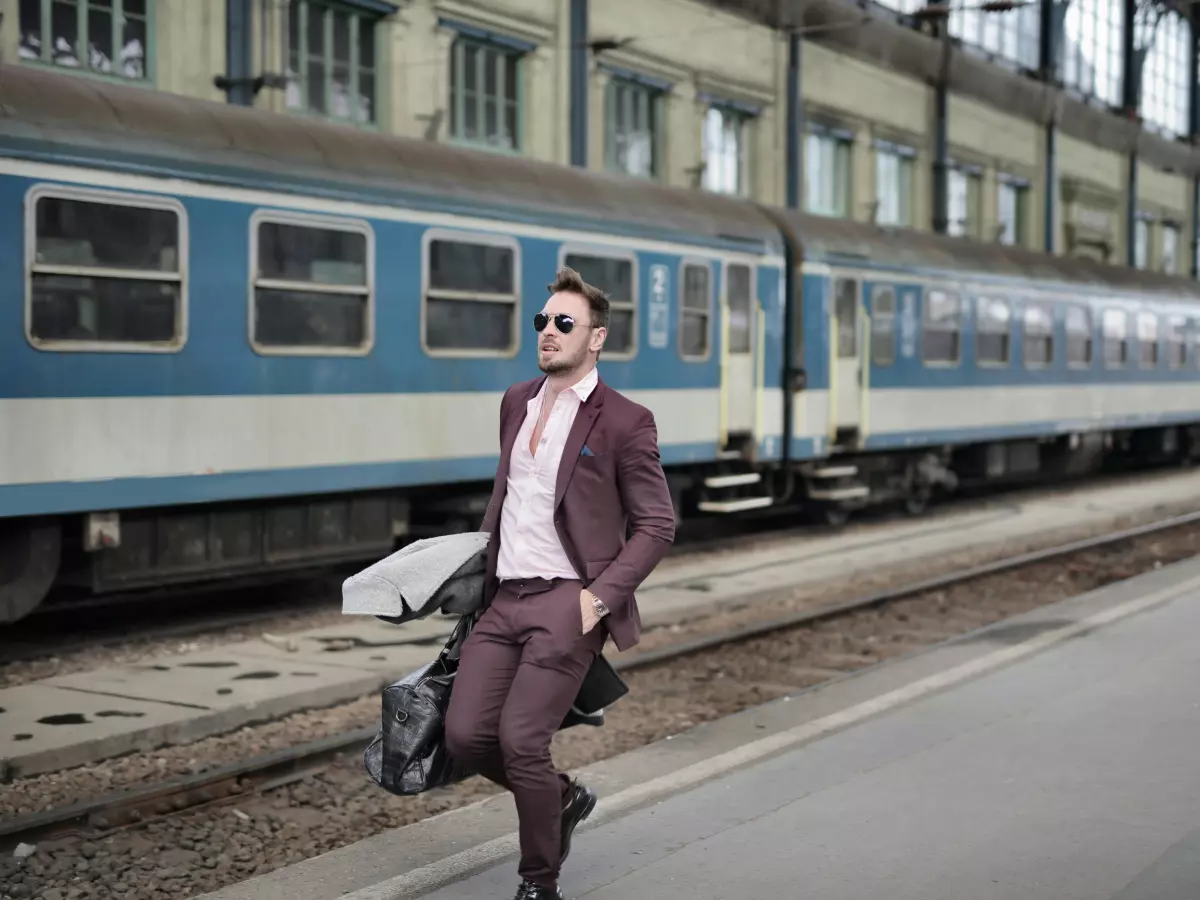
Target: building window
963 186
1079 336
943 327
993 332
1170 247
726 150
1141 243
1091 53
471 295
107 37
331 61
695 328
883 326
827 173
893 184
105 272
1011 35
1039 336
312 286
1147 332
1176 342
1115 325
631 128
485 94
1011 199
614 276
1164 95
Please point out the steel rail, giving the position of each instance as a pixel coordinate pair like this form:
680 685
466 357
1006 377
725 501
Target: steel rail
141 805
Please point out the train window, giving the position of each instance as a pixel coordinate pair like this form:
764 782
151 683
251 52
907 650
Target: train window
1176 342
695 311
1147 333
737 287
993 332
1039 336
1196 343
471 300
883 326
105 272
846 310
1079 336
312 286
1115 324
943 327
614 276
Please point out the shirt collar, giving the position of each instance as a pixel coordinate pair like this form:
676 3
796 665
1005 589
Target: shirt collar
582 388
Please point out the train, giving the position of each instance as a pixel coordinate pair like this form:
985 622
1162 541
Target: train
236 343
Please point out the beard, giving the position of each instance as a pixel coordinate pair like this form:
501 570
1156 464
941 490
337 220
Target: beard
560 362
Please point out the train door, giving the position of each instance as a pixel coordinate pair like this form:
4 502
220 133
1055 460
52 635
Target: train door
847 362
739 312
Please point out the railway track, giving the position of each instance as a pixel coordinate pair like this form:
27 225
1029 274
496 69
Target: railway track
104 815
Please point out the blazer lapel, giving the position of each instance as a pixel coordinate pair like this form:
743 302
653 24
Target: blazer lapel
584 420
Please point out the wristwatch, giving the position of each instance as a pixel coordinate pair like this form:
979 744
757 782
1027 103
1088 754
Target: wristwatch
598 605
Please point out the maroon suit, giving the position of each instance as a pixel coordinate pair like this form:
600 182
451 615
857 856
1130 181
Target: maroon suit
523 663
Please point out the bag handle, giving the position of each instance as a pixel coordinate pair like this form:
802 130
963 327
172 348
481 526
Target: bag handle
458 637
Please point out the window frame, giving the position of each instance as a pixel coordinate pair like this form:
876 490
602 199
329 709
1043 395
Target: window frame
321 222
979 332
1047 309
654 109
1181 321
957 293
601 251
878 290
1104 338
1139 317
115 198
1090 332
456 104
709 312
45 9
488 238
354 63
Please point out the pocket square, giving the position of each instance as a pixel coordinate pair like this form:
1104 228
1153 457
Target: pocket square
586 451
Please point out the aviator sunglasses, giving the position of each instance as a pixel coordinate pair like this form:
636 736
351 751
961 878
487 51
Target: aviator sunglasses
562 322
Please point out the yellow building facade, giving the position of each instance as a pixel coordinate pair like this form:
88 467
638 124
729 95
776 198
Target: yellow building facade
689 93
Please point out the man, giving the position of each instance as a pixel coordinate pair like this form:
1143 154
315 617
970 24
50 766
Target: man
578 463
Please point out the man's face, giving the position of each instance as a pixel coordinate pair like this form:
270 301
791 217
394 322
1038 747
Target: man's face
558 352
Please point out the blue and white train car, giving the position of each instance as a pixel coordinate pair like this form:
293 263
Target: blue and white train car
235 342
924 361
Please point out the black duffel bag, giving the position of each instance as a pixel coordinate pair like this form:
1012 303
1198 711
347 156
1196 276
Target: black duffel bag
408 755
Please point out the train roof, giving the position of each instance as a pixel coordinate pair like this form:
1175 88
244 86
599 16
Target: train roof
157 131
845 242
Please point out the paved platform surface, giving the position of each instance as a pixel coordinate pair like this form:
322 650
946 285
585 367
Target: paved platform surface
1049 756
72 720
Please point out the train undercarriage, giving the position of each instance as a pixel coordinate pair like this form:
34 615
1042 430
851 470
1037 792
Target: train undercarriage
105 552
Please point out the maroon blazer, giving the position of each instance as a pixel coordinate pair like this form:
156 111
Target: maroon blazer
618 487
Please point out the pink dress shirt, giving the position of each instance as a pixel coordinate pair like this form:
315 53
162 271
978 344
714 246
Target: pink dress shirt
529 544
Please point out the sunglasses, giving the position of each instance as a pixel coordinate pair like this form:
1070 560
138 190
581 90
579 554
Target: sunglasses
562 322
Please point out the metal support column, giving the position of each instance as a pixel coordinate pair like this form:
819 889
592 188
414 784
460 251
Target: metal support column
1130 80
941 139
579 83
1194 133
795 122
239 51
1051 22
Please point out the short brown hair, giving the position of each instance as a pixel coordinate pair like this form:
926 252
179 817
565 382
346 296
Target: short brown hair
568 279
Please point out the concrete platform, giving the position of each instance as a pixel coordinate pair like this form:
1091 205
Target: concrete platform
193 695
1052 755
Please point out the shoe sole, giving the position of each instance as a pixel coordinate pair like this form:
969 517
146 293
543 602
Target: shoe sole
587 811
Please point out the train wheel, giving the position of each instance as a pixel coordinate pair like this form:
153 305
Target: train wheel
835 516
29 555
917 502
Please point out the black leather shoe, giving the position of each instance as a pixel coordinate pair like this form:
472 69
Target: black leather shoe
530 891
581 800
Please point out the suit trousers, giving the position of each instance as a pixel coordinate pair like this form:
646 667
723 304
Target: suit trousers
518 675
